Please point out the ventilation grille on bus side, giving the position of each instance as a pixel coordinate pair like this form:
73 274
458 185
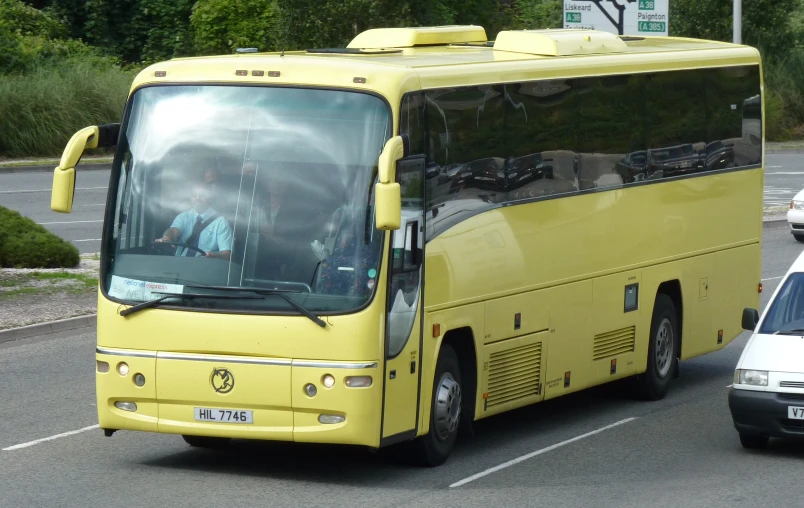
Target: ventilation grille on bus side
514 374
614 343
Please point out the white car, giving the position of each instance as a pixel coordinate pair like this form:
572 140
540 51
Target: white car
767 397
795 216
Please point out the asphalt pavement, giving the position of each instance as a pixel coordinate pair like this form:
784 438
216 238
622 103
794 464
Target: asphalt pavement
29 194
678 452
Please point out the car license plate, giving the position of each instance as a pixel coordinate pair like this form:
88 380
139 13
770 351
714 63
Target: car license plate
205 414
795 413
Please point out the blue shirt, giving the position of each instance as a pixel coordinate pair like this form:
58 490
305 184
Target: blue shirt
216 237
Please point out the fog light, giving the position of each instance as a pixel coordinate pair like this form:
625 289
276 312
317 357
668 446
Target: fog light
126 406
122 368
330 419
102 366
310 390
139 379
328 380
358 381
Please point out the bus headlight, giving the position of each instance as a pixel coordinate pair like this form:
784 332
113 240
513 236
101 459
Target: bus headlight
122 368
751 377
328 381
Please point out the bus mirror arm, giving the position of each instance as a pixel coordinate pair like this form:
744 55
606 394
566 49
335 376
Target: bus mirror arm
387 192
63 190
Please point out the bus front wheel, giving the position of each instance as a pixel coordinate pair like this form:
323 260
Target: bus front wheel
433 448
663 348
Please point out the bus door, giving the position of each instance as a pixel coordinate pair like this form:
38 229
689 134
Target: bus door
404 308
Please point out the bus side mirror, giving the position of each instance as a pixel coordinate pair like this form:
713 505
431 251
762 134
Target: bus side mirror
750 319
387 193
63 189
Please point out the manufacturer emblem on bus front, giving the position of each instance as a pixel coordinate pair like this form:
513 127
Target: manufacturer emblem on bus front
222 380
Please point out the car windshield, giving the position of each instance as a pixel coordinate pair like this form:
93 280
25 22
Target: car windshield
237 186
786 312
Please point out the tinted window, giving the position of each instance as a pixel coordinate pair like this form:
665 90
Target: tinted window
734 119
610 129
487 145
541 124
462 133
675 117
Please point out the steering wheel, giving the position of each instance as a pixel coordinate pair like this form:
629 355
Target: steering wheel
153 247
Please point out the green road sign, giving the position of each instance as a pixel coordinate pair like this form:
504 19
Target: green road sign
647 5
652 26
573 17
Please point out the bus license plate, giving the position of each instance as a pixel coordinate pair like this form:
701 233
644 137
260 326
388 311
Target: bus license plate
795 413
205 414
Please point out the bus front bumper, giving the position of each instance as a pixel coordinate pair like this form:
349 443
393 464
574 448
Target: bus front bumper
247 397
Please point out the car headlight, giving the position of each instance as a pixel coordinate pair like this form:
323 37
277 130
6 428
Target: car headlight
797 205
751 377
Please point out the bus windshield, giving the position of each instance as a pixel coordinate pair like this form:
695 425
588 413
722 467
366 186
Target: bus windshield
245 186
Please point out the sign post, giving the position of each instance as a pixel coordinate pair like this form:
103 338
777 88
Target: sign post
621 17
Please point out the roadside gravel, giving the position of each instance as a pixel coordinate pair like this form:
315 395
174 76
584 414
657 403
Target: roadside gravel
31 296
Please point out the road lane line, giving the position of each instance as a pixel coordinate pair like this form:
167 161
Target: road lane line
773 278
89 240
51 438
537 452
69 222
29 191
729 386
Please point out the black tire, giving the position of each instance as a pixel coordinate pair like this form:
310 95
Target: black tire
799 238
654 383
753 441
434 448
206 442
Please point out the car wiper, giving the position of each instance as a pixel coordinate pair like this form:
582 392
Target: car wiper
282 293
794 331
182 296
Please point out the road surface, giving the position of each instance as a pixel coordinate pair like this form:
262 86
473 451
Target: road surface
678 452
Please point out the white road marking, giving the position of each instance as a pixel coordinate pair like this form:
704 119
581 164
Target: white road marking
784 172
768 167
89 240
51 438
773 278
29 191
729 386
69 222
101 204
537 452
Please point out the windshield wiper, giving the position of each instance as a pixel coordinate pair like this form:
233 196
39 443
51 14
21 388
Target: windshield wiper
182 296
794 331
282 293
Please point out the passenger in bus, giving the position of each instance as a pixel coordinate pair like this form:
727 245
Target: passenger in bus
201 227
287 223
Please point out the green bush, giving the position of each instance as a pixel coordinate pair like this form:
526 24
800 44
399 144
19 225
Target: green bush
26 244
41 109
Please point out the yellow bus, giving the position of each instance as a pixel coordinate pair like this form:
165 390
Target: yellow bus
386 242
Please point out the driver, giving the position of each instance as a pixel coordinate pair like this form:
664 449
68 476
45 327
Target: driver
200 227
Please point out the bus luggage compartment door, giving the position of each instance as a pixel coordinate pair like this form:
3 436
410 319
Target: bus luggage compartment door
234 396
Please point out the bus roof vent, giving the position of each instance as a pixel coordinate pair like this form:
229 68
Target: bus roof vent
378 38
559 42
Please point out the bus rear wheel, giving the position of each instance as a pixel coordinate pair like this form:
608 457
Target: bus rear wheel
663 348
434 448
206 442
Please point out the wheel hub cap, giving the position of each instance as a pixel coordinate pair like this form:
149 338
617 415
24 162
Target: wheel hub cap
448 406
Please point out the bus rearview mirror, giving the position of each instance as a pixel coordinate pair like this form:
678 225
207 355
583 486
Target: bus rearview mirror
388 206
63 190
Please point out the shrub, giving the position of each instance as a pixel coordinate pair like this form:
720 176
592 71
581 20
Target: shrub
41 109
26 244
